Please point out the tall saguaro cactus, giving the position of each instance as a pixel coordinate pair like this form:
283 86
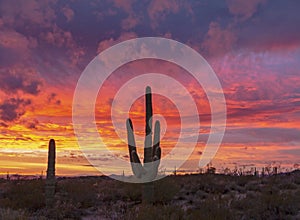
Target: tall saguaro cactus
50 179
152 151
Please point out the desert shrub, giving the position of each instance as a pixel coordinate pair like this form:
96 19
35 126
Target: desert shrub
111 191
9 214
252 186
264 180
79 192
270 204
243 180
296 176
24 194
201 195
206 187
133 192
159 212
61 210
64 210
219 189
216 186
211 208
231 186
287 185
288 203
165 189
297 181
277 206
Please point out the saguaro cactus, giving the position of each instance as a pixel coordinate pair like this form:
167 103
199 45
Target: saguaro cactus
50 179
152 151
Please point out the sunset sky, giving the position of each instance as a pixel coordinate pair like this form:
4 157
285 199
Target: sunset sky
253 47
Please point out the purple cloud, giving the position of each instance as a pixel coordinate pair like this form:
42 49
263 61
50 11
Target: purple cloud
12 109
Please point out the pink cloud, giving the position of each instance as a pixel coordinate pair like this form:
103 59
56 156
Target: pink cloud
61 38
126 5
68 13
14 40
36 12
218 40
109 42
132 20
157 10
58 37
242 8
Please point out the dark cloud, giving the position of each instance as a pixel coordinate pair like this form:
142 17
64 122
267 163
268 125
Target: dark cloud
52 98
13 108
32 124
9 56
32 87
22 138
12 83
2 124
273 26
61 26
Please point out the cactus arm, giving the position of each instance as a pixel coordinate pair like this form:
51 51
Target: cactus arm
130 138
148 127
136 165
135 157
137 168
156 152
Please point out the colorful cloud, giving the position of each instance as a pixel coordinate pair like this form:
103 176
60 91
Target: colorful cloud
253 46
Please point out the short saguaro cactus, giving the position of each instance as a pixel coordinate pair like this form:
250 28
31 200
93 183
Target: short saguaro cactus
50 179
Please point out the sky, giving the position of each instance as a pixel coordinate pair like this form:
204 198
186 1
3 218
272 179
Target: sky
253 47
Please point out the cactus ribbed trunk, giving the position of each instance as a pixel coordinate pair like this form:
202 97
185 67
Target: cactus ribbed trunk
148 128
148 193
148 188
50 179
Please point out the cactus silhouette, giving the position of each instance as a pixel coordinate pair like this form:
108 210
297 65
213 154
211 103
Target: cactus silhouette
50 179
152 151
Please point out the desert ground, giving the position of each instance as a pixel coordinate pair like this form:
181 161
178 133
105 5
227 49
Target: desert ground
194 196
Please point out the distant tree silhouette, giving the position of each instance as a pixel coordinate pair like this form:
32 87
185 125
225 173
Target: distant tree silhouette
210 169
